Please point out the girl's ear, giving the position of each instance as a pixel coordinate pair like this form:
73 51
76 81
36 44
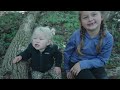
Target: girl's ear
105 15
102 17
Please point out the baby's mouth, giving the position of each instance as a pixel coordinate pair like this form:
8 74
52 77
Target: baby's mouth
37 45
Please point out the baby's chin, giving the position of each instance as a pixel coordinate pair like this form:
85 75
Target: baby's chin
37 48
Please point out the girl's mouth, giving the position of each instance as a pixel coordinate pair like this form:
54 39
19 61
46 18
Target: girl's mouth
91 23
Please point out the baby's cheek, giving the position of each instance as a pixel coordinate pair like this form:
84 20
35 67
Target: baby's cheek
33 44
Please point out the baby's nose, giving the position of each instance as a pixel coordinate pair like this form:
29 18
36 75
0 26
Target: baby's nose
37 41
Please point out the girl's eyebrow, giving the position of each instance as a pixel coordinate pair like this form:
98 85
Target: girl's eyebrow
93 12
84 15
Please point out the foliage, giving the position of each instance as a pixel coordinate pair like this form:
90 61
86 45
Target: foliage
65 23
114 27
114 61
9 24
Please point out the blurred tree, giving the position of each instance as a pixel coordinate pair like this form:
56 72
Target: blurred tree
18 44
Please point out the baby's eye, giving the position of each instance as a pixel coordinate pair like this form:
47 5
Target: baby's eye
34 38
41 39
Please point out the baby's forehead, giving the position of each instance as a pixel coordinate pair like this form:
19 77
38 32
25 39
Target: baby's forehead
39 35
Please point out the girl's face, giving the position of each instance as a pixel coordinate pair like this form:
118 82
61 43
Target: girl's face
91 20
39 41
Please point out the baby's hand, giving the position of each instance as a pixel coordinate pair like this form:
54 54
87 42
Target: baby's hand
57 70
17 59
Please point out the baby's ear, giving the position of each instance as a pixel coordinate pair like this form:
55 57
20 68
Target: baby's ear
49 42
53 31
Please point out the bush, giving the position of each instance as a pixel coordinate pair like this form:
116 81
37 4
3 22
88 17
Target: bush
9 24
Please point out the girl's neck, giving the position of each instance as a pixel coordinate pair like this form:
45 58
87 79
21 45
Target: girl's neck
93 33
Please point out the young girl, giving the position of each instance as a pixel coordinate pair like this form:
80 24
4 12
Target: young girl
43 53
89 48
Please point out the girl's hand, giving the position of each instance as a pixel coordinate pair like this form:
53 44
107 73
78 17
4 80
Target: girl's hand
17 59
57 70
70 75
75 69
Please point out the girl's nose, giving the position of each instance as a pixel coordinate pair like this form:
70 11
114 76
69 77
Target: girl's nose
90 18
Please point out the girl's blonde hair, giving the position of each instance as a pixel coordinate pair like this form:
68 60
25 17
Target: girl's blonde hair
49 33
101 33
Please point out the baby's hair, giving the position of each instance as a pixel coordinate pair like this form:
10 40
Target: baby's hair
49 33
82 36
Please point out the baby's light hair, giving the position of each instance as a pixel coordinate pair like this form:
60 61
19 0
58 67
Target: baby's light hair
49 33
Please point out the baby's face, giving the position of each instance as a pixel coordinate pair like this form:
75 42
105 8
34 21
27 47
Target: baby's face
40 42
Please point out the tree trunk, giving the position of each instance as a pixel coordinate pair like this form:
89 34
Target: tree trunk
18 44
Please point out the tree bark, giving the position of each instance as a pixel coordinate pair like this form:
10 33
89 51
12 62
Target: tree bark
18 44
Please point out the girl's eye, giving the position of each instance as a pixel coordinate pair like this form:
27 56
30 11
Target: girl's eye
85 17
94 14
